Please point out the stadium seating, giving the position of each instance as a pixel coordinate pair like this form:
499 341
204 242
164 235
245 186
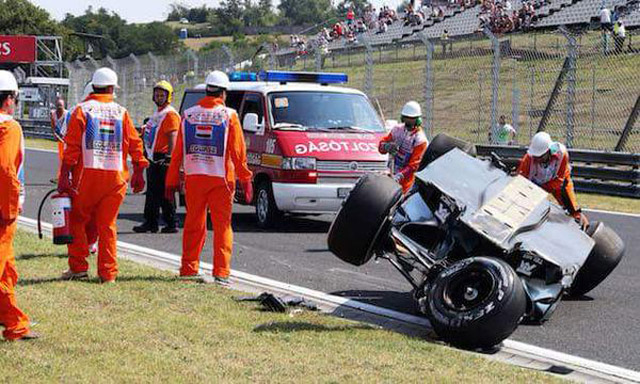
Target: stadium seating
579 13
458 23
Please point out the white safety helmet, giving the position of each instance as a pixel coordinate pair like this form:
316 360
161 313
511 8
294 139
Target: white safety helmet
8 82
104 77
412 109
540 144
217 79
88 89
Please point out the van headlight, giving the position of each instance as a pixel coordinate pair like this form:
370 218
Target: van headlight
299 163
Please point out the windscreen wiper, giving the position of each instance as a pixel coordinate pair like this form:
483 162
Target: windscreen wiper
354 128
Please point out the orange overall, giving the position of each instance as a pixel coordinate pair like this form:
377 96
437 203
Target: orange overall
554 177
411 147
213 154
99 138
15 322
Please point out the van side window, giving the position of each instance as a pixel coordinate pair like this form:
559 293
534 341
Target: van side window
234 100
253 103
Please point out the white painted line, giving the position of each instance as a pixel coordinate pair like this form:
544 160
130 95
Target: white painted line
615 213
611 370
515 346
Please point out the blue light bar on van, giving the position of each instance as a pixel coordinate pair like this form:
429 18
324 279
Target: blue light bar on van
303 77
243 76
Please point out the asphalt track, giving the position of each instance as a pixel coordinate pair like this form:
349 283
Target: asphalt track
602 327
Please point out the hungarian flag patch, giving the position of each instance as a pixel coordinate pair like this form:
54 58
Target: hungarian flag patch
204 131
108 127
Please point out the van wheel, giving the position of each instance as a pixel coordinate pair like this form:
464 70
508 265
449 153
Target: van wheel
603 259
267 212
476 302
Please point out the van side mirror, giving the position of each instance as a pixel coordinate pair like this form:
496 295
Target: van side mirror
250 123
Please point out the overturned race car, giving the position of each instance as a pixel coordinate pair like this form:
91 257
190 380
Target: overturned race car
483 250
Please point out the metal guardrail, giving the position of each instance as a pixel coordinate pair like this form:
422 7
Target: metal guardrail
37 129
606 173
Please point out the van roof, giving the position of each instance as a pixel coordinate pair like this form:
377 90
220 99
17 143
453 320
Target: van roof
267 87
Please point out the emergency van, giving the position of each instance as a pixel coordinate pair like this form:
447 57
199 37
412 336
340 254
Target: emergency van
308 141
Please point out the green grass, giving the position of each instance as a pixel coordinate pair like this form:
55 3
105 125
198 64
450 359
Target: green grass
41 144
150 327
609 203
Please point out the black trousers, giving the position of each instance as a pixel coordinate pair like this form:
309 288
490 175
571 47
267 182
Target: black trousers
156 175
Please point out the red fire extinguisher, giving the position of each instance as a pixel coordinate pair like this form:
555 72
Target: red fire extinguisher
60 213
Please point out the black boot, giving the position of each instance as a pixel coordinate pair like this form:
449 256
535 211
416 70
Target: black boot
145 227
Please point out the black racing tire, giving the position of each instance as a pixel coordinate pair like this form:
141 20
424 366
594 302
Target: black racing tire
267 213
443 143
359 224
476 302
603 259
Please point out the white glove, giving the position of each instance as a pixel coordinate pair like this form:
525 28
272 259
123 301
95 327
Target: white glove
398 177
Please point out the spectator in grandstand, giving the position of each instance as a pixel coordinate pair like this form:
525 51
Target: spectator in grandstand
382 28
619 34
360 26
350 17
605 19
338 30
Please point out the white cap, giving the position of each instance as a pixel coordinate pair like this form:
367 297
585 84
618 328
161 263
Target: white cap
8 82
540 144
412 109
104 77
217 79
88 89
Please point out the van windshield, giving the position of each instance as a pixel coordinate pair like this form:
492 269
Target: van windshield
323 111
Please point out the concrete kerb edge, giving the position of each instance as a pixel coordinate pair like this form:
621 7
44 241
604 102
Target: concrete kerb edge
168 261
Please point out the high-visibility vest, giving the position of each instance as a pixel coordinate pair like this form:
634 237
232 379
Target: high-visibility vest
540 174
407 141
103 137
60 123
20 171
150 131
205 132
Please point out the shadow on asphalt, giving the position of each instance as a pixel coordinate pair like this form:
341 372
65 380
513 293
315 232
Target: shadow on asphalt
398 301
246 222
294 326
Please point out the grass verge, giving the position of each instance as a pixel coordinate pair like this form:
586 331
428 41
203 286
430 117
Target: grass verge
41 144
150 327
609 203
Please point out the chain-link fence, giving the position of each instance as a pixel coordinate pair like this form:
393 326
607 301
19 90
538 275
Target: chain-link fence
581 88
138 74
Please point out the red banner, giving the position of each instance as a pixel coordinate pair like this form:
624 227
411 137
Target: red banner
17 49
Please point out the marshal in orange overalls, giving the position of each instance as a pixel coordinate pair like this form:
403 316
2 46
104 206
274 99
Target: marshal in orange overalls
554 177
16 323
99 138
211 147
410 147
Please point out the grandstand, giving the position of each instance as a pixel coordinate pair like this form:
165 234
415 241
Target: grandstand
459 22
